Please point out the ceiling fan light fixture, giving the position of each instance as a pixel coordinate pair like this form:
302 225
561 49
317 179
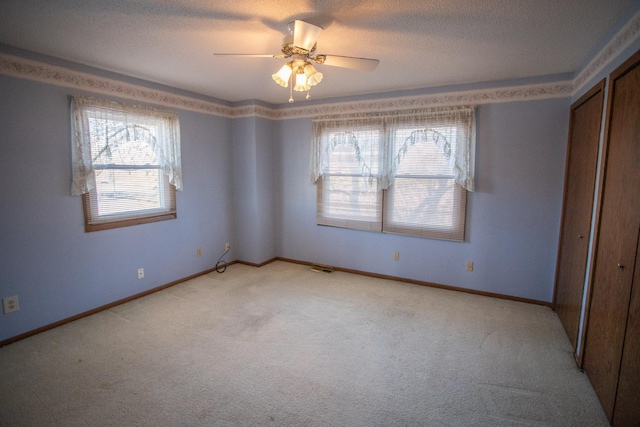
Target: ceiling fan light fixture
299 49
301 82
283 75
313 76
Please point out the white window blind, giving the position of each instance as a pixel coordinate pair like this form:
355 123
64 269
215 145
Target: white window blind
415 180
348 194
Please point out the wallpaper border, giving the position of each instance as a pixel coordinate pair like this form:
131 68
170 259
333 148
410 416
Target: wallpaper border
46 73
623 38
16 66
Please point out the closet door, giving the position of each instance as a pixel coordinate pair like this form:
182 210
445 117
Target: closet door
617 238
580 179
627 409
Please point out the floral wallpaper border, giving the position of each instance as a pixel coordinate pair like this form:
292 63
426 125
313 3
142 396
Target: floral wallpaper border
39 71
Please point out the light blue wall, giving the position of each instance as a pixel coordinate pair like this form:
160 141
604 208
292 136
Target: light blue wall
254 190
56 269
512 219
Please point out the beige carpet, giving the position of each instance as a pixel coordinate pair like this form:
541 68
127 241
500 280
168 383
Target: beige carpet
284 346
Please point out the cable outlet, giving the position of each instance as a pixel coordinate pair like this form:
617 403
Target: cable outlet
140 273
10 304
227 246
199 251
469 265
396 256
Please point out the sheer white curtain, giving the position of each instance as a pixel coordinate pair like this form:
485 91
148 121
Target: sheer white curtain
364 136
166 143
451 128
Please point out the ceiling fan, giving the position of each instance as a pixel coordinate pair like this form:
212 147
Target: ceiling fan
299 46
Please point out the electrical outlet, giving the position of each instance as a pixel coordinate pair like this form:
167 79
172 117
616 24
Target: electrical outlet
199 251
396 256
469 265
10 304
227 246
140 273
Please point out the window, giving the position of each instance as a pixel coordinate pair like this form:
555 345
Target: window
405 173
347 195
126 163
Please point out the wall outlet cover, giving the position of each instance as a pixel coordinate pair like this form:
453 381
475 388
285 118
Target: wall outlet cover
10 304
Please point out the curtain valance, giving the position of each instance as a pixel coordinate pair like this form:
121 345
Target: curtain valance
452 129
162 127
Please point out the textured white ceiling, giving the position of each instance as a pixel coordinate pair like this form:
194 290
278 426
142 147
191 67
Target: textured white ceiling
419 43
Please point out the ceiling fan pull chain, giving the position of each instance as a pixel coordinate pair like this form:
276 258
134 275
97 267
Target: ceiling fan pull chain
291 89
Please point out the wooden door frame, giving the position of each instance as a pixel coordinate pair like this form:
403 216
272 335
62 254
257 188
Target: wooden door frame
594 91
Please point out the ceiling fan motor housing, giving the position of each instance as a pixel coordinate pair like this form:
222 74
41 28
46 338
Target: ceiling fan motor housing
289 49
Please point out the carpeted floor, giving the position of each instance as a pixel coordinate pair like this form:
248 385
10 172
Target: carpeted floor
284 346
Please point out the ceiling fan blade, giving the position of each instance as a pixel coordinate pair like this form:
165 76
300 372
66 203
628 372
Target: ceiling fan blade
250 55
360 64
305 34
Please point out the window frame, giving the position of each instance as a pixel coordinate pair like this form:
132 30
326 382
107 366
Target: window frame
164 142
108 222
454 233
455 229
344 222
372 171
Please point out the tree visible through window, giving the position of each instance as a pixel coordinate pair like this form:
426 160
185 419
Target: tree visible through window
124 160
